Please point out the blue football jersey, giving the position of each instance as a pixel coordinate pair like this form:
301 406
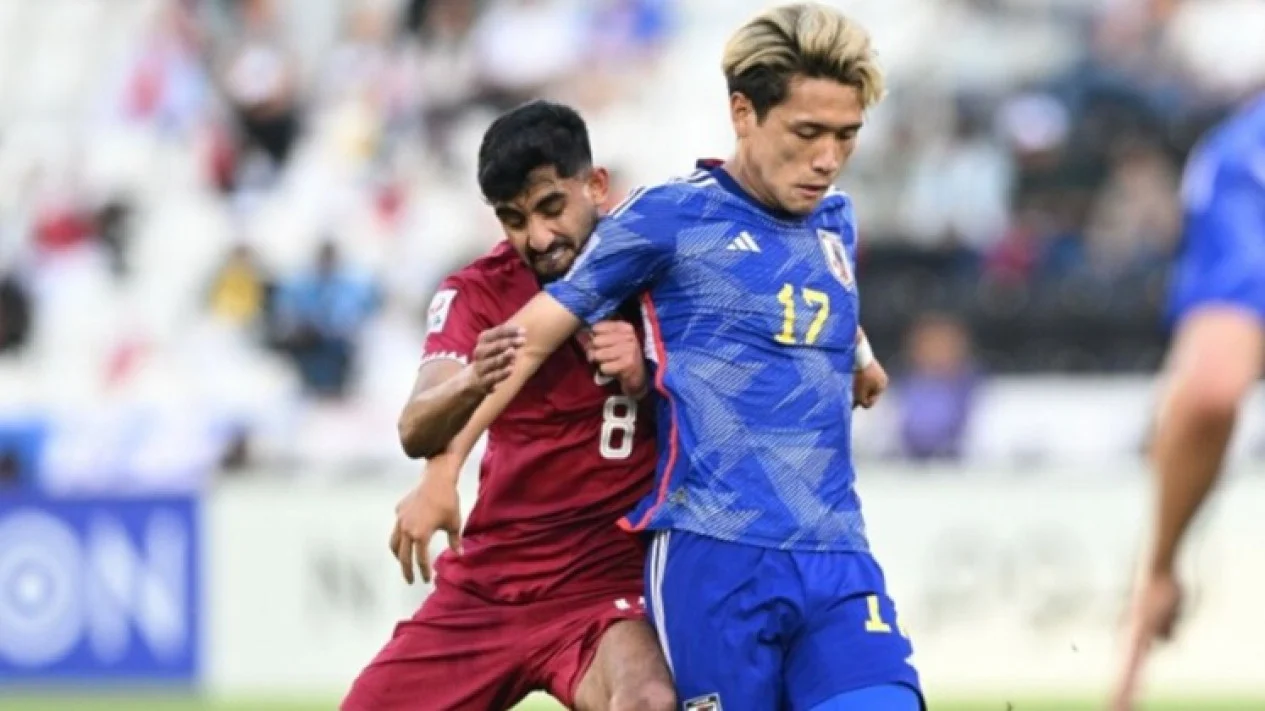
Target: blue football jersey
752 320
1222 257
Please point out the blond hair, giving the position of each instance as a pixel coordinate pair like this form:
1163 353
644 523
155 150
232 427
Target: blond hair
801 39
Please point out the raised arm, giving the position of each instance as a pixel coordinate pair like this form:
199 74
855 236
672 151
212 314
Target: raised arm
627 254
542 325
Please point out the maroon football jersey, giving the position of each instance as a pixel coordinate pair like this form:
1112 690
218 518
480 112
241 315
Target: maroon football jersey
567 458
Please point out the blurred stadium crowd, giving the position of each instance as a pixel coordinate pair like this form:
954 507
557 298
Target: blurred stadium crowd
221 220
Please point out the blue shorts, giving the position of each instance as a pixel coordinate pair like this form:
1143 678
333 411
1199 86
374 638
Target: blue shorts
759 629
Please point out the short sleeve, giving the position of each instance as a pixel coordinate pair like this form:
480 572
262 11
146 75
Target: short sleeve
630 251
454 320
1222 258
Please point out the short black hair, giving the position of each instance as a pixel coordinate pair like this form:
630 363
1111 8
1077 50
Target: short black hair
535 135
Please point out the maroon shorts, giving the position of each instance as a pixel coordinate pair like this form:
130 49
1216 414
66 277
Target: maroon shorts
460 652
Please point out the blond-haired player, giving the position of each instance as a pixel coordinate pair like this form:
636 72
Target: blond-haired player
760 579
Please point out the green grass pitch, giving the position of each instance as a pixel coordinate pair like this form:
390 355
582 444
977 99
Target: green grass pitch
123 702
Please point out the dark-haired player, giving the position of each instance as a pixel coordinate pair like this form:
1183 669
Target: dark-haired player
760 579
546 591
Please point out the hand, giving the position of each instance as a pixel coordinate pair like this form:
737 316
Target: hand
433 505
868 384
615 350
1152 616
493 357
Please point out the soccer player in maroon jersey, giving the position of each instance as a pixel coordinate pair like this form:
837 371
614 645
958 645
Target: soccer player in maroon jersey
543 591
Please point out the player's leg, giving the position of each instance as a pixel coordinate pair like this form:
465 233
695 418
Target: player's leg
453 655
850 643
721 611
596 652
627 673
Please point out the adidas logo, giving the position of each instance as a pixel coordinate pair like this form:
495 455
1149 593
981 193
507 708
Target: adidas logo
743 243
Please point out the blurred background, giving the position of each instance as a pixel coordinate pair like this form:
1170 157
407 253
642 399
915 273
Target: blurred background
221 222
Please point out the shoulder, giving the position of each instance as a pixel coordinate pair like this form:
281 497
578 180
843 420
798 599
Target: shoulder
488 271
475 286
655 200
1233 153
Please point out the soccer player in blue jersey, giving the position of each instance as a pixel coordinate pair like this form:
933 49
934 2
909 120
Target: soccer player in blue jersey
760 578
1217 305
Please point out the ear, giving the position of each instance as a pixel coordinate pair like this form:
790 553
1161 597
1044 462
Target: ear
742 114
598 187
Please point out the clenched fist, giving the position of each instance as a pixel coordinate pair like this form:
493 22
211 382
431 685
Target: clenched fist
616 352
868 384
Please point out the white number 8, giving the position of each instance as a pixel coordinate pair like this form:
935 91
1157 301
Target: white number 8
619 421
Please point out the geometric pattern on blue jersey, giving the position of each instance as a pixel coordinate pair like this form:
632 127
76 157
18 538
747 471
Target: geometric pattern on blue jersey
753 320
1222 256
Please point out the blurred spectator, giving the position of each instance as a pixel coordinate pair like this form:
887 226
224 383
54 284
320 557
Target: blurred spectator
358 88
163 83
625 41
114 230
936 394
241 290
447 69
319 317
261 81
1136 216
628 31
959 191
15 314
526 49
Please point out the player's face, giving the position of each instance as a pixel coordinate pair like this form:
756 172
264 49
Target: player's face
551 219
797 151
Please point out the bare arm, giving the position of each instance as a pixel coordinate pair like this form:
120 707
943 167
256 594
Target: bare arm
446 392
545 325
443 398
1217 358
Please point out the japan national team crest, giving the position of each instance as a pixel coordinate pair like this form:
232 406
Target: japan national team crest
836 257
711 702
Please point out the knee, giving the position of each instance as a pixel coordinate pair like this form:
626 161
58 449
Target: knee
653 696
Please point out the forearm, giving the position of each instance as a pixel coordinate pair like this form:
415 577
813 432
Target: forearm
435 416
1190 446
546 325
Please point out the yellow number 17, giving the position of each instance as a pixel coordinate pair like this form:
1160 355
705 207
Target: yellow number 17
819 300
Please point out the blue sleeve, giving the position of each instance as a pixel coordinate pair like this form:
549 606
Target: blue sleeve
629 252
1222 257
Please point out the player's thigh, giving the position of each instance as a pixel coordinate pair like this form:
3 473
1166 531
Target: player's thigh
443 660
851 644
708 602
626 673
582 646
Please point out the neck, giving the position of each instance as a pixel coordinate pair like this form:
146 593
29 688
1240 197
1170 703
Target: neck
745 177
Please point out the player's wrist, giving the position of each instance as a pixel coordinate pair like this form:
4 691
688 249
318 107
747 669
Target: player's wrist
864 356
469 387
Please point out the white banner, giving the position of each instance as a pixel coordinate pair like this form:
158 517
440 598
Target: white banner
1018 584
1009 583
302 590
